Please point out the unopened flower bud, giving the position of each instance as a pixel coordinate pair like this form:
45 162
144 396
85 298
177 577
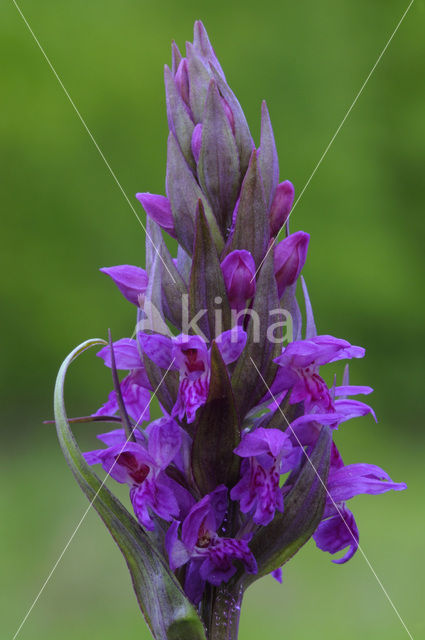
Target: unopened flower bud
229 114
289 258
182 80
196 141
239 277
281 206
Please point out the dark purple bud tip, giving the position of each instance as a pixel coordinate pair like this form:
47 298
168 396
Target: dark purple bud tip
159 209
289 258
281 206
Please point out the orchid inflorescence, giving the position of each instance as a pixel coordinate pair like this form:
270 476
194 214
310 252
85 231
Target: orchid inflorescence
241 469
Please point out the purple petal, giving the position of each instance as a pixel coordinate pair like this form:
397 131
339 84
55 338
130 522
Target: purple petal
176 551
208 512
263 441
353 409
277 575
158 348
231 344
164 441
338 532
136 398
353 479
352 390
159 209
126 354
131 281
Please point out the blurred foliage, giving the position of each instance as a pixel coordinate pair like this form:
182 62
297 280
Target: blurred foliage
64 217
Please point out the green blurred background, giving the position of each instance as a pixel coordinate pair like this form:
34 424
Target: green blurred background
63 217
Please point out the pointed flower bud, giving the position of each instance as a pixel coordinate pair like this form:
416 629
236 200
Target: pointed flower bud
229 114
131 281
182 80
289 258
197 141
239 277
158 208
281 206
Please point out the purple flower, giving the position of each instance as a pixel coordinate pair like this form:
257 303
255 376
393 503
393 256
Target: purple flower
289 258
338 528
191 356
142 467
135 388
158 208
281 206
239 277
267 454
300 362
131 281
210 556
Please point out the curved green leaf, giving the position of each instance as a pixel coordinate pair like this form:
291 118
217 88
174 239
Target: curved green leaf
167 611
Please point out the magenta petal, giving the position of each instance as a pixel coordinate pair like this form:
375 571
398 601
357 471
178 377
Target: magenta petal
338 532
231 344
131 281
164 441
158 348
159 209
177 552
126 354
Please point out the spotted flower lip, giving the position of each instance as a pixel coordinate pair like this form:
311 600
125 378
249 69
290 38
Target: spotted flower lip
191 356
267 453
142 466
209 556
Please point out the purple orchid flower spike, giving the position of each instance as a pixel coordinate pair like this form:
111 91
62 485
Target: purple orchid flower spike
131 281
267 454
209 555
191 356
241 469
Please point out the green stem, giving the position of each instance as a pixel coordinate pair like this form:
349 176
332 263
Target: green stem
225 613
